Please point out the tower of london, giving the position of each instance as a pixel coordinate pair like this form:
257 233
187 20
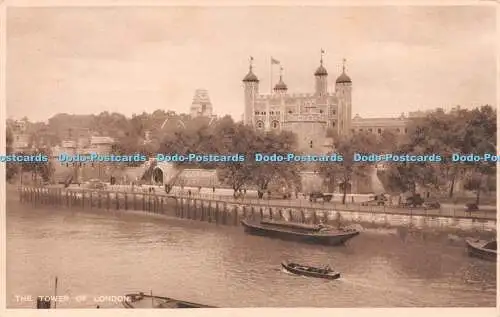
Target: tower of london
309 115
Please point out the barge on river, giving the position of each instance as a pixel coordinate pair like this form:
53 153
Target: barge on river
141 300
316 234
486 250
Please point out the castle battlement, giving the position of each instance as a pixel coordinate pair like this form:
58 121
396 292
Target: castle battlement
313 117
292 95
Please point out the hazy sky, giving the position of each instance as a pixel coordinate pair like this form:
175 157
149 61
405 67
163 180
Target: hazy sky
129 60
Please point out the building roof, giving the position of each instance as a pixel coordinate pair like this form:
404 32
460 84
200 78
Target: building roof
280 85
343 78
321 71
250 77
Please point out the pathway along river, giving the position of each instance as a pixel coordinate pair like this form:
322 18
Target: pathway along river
111 253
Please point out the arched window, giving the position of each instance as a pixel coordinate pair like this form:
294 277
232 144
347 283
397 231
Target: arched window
379 131
260 125
275 124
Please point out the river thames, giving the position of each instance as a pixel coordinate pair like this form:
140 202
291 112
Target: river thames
104 253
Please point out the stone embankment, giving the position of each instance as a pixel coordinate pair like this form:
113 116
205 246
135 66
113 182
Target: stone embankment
230 211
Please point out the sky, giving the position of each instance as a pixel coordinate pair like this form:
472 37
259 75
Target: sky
135 59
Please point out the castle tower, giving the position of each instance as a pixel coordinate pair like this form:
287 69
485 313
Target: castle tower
321 78
201 105
251 84
280 87
343 90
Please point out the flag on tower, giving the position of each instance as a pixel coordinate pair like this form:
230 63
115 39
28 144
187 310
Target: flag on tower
274 61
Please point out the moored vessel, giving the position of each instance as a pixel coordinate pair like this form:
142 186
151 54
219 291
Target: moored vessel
316 234
141 300
486 250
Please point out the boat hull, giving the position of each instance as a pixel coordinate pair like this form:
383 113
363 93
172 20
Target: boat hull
310 274
148 301
475 250
333 239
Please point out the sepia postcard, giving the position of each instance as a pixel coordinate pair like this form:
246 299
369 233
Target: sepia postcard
261 156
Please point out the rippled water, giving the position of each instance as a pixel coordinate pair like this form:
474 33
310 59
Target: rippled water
106 253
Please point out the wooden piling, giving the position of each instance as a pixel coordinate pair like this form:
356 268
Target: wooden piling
236 218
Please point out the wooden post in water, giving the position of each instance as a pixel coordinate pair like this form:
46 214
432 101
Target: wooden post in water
195 209
176 211
303 216
143 201
91 203
99 200
290 214
315 217
235 211
270 213
217 213
117 201
261 214
108 201
225 212
126 200
209 212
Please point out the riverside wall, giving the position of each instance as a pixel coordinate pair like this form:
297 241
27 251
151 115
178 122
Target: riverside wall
232 212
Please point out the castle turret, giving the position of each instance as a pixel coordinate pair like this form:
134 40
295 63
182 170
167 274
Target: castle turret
281 87
321 78
343 90
251 83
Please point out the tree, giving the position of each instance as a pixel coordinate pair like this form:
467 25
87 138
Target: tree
268 172
345 171
236 138
459 131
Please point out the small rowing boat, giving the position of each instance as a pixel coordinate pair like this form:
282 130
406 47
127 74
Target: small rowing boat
310 271
486 250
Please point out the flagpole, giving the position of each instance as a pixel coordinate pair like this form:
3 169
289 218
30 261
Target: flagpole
271 80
